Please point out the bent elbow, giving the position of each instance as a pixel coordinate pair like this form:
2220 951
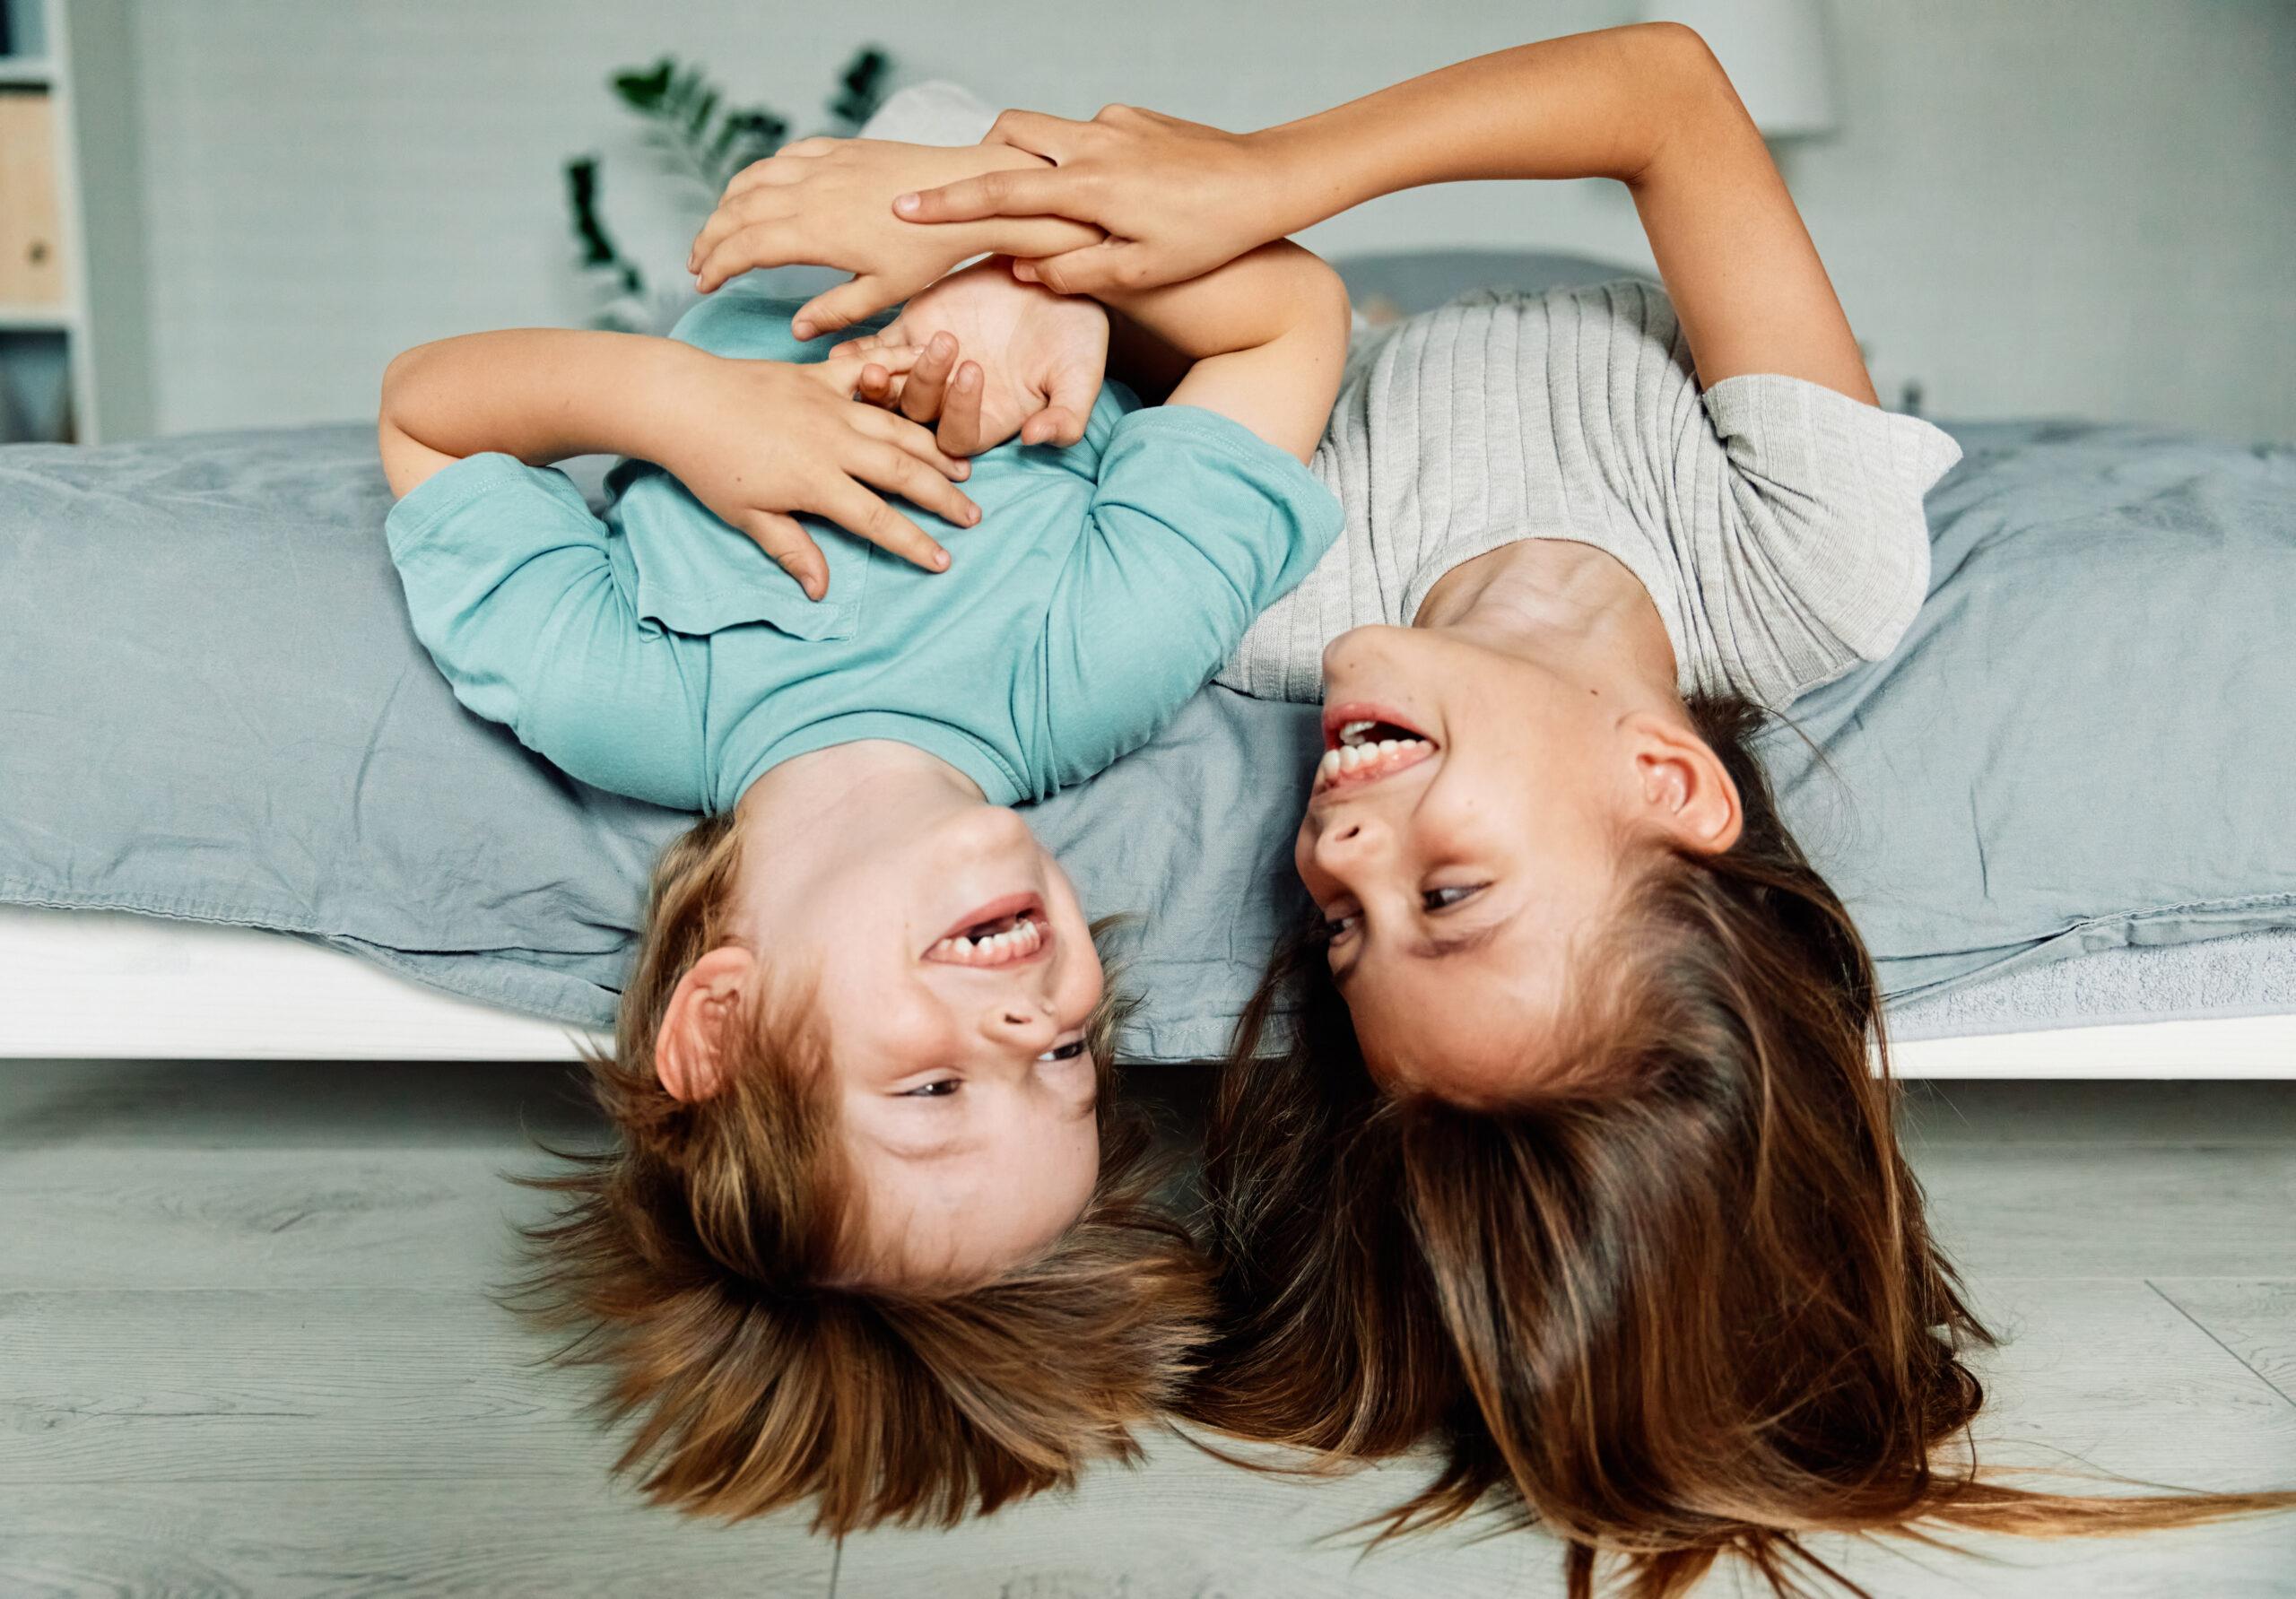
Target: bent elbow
401 379
1676 46
397 378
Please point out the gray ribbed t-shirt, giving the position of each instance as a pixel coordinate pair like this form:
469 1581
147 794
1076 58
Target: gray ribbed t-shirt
1776 524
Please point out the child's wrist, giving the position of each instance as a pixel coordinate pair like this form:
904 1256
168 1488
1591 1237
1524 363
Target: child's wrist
665 379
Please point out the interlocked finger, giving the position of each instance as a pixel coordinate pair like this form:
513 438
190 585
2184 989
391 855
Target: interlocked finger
916 438
740 209
928 380
1053 137
961 430
895 471
774 243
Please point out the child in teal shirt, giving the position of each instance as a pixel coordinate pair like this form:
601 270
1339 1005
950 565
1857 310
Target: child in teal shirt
864 1238
656 652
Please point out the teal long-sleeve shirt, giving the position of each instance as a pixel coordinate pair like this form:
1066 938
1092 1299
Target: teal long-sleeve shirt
657 652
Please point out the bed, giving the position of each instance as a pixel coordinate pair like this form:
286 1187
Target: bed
278 760
206 992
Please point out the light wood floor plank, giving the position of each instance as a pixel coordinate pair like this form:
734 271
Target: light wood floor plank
244 1349
312 1384
161 1218
2106 1370
2047 1209
2257 1321
2111 1372
2248 1559
1188 1525
532 1538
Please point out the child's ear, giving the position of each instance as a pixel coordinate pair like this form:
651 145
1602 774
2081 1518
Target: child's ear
1682 786
695 1043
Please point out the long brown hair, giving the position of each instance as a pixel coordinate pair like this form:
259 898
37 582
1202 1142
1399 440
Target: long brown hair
698 1260
1677 1300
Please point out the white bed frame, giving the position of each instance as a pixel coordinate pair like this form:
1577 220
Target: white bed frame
104 986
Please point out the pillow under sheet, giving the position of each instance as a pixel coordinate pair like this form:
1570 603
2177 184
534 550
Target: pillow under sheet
2088 738
214 708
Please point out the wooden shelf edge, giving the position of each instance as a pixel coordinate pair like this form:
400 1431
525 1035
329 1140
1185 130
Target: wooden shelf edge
37 319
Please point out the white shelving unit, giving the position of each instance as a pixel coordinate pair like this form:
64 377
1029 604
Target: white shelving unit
86 344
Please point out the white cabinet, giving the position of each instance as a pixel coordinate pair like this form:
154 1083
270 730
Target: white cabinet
75 353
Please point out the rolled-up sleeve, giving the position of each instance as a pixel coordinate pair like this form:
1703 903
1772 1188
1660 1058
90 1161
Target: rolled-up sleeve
1198 525
1824 552
509 587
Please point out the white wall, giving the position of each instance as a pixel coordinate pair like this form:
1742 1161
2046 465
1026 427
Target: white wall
2063 206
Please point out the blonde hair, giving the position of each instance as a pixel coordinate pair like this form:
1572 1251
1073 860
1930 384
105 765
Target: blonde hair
698 1260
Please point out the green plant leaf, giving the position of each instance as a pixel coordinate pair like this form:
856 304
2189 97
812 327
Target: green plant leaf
642 91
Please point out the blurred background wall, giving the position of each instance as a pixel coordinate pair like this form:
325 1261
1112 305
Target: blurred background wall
2029 207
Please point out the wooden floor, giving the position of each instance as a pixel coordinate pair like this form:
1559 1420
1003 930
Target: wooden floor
245 1349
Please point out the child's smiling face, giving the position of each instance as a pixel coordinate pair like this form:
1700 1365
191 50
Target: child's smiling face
940 952
956 990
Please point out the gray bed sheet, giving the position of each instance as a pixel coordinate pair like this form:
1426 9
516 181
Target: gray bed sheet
210 707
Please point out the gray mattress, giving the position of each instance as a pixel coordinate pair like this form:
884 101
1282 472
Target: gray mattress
2248 974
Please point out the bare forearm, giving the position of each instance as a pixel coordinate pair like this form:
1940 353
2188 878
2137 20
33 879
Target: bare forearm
1593 105
539 394
1647 106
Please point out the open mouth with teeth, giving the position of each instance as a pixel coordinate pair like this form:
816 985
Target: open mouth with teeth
1005 932
1363 743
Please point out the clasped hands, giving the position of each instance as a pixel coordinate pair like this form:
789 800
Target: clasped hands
1008 347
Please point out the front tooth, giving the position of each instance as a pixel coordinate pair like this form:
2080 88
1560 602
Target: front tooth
1356 730
1328 767
1348 759
1388 746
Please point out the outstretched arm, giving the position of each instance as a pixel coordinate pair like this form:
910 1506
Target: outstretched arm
753 439
1647 106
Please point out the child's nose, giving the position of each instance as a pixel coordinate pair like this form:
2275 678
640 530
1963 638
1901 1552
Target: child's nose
1021 1023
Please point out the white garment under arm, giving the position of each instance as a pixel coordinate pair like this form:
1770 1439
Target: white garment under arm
1776 524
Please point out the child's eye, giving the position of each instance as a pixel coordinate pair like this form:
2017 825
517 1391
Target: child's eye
1067 1050
1445 898
940 1088
1333 928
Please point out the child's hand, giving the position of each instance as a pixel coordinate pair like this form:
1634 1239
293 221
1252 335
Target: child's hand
765 438
1037 363
828 202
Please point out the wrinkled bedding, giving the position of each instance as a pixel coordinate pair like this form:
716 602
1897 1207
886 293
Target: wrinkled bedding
214 708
